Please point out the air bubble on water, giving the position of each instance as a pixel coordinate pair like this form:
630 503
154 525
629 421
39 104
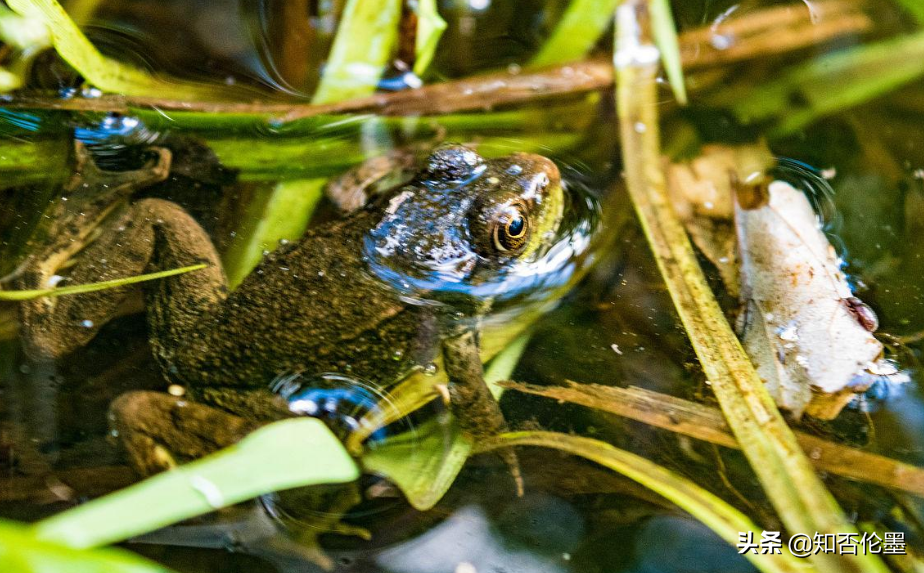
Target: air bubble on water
54 280
283 242
397 355
86 323
640 127
24 368
430 369
789 333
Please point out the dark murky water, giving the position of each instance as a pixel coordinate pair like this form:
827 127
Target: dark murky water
617 327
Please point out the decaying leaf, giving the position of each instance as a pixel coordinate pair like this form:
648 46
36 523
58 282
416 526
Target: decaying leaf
809 337
702 192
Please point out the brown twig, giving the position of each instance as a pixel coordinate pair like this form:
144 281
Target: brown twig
708 424
755 35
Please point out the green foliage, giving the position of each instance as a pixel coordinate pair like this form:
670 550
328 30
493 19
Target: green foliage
860 74
92 287
365 39
283 455
105 73
22 552
665 36
430 28
284 214
579 30
425 461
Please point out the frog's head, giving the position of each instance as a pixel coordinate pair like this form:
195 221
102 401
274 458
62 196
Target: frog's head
466 221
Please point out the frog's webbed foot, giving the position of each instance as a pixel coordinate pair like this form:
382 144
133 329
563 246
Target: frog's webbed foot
158 431
470 399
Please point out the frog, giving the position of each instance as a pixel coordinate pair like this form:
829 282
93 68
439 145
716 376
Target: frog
374 294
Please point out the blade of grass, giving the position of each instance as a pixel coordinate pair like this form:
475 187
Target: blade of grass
665 37
580 28
21 552
105 73
93 287
798 495
705 423
723 519
430 28
365 39
282 455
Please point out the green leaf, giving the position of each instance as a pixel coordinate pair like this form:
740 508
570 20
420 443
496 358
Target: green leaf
283 455
365 39
92 287
283 214
430 28
579 30
105 73
422 462
22 552
860 74
915 8
723 519
425 461
665 36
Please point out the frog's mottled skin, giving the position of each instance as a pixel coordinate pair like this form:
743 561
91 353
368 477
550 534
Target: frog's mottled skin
373 295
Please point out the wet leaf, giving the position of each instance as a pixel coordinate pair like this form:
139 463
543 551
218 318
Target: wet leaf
92 287
21 552
282 455
105 73
801 324
430 28
720 517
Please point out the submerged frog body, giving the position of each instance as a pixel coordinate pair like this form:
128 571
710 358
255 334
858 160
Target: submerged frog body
373 295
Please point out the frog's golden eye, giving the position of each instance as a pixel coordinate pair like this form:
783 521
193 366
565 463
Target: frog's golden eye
511 230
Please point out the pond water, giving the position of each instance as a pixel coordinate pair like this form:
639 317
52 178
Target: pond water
598 311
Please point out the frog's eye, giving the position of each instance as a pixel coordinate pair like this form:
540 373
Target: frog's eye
511 229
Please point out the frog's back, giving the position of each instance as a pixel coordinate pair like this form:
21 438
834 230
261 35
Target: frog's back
307 308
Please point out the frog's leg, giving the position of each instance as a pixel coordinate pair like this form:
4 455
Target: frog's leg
149 235
159 431
470 400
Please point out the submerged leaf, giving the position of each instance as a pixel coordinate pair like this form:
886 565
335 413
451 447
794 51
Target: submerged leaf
425 461
282 455
22 552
